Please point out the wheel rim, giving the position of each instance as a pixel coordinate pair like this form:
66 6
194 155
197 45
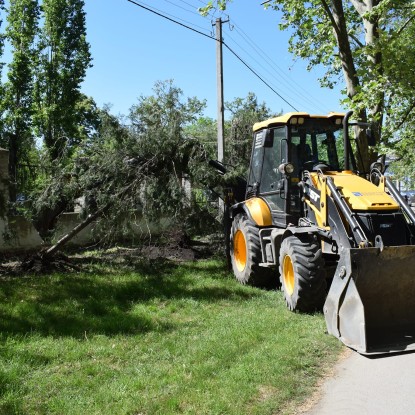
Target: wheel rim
239 250
288 275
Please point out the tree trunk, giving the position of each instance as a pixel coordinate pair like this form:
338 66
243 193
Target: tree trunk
345 51
90 218
13 157
336 15
375 64
78 228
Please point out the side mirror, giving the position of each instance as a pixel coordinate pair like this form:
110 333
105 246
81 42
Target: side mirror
371 139
268 138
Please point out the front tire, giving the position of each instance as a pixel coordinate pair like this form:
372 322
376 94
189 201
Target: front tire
302 273
245 249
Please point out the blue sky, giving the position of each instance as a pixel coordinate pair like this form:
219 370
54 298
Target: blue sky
133 48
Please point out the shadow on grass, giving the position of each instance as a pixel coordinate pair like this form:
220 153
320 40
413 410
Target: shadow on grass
111 303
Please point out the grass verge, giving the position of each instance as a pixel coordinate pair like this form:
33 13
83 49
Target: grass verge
157 338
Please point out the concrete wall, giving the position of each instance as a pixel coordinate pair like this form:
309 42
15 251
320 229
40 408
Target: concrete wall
139 228
18 234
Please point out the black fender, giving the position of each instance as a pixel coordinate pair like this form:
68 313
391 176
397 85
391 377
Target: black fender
277 236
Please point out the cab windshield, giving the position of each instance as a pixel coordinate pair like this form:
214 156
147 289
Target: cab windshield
317 141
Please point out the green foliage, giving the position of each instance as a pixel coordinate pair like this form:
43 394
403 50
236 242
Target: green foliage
400 80
245 113
1 63
63 60
41 101
211 4
17 136
204 130
141 166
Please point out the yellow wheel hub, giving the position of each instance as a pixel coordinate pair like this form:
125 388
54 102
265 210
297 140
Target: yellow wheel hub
288 274
239 250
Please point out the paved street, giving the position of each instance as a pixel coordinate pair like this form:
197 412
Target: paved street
369 386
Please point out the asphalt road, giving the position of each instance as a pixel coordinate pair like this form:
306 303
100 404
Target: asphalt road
360 385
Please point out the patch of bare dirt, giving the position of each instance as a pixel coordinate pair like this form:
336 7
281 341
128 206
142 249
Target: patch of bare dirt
177 249
38 263
168 252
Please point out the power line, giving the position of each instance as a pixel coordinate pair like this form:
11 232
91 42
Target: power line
256 74
170 19
184 8
276 78
255 60
278 71
211 37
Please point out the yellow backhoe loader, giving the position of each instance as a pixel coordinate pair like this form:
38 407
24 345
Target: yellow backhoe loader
334 238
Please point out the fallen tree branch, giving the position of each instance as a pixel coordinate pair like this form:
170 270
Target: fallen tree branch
78 228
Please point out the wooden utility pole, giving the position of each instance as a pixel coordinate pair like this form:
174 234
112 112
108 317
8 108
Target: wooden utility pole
219 84
223 207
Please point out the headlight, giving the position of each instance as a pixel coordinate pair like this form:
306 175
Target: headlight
286 168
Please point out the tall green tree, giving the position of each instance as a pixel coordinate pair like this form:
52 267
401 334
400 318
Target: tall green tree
399 66
162 119
245 112
64 58
351 39
21 30
1 64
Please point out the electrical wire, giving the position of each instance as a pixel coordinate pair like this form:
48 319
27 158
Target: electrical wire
184 8
266 70
192 11
259 77
278 71
170 19
158 13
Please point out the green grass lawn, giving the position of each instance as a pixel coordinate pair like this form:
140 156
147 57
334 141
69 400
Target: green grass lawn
157 338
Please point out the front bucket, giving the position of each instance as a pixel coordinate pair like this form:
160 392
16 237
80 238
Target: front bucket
371 303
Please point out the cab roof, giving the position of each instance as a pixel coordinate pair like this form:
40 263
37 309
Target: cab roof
285 119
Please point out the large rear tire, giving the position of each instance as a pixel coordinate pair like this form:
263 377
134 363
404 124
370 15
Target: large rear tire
302 273
245 249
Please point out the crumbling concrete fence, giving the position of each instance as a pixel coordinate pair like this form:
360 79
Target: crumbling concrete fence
18 234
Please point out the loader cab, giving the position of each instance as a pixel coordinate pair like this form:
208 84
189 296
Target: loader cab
307 143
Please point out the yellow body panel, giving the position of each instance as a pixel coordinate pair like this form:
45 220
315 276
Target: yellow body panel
359 193
319 215
285 119
259 211
282 119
